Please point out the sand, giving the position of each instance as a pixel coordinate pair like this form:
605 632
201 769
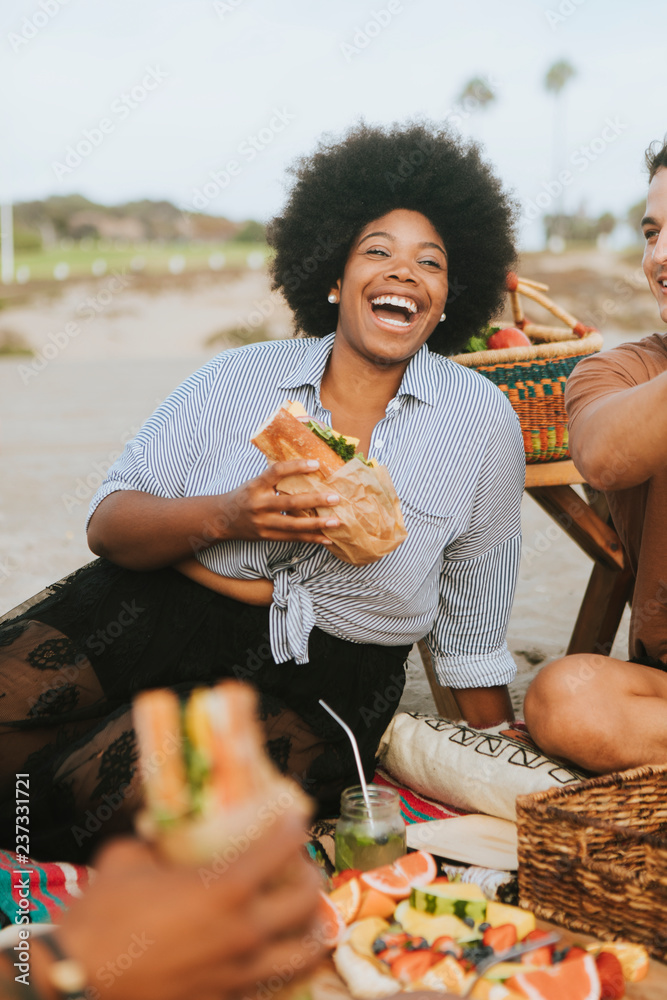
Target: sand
107 354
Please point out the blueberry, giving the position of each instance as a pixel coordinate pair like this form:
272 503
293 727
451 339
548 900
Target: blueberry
378 946
559 954
417 944
468 921
484 927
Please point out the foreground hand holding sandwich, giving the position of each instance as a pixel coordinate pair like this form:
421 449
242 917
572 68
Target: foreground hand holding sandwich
371 523
210 788
219 897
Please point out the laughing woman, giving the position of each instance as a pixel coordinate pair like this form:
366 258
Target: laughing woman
392 249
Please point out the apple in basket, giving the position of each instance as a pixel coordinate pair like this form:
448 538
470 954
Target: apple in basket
509 337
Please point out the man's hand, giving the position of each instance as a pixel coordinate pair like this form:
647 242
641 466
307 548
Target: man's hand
148 931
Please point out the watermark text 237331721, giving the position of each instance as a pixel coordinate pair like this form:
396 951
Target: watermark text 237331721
21 879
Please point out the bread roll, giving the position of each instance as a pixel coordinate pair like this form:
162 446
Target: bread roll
283 438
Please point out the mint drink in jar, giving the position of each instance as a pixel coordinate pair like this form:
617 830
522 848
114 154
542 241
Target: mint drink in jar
368 839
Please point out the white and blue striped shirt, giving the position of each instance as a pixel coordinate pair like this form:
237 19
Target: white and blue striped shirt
454 450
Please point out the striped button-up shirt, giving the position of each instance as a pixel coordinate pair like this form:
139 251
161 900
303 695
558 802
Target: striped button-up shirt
453 448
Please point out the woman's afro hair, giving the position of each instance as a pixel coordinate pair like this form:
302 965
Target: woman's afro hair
347 183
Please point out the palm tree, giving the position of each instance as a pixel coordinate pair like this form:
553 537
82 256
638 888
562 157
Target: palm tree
557 77
6 244
478 89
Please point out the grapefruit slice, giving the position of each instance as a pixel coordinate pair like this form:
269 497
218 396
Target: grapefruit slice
375 904
419 867
396 880
342 877
346 898
576 980
633 958
331 923
611 976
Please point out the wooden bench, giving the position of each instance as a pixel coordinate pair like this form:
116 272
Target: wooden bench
587 522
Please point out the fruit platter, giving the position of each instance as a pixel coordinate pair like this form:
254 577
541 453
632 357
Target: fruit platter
403 929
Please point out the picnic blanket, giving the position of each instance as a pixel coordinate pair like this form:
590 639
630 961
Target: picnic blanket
53 886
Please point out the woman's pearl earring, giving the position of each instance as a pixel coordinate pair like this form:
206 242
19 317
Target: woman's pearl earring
442 318
333 298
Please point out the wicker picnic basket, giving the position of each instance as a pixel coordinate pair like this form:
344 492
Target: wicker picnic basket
533 378
593 856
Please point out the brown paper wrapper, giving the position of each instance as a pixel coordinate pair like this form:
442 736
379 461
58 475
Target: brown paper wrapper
371 522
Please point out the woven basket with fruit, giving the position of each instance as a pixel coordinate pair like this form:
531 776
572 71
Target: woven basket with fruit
531 363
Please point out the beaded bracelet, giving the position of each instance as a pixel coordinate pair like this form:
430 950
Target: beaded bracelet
8 985
66 975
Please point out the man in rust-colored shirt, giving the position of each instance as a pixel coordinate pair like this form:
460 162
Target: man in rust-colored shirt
602 713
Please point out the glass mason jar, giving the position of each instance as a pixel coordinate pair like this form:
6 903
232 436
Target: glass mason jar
367 840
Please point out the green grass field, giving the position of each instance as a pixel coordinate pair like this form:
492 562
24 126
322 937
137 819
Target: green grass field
101 258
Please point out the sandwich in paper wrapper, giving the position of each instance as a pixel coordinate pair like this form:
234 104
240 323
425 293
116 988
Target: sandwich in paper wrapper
208 782
371 523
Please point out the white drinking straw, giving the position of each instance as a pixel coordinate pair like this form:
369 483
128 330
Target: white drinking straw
357 757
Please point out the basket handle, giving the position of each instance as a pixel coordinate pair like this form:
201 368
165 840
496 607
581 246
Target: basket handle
535 290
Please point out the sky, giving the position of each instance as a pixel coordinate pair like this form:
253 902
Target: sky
207 102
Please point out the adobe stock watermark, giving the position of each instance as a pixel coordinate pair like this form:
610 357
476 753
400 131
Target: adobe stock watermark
88 309
120 110
108 973
383 700
8 565
224 7
255 659
247 151
237 844
293 278
624 288
94 819
566 8
370 29
85 488
34 23
64 676
474 101
409 163
580 160
311 943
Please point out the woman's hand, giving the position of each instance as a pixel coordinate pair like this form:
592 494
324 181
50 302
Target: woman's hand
484 707
143 532
257 511
147 931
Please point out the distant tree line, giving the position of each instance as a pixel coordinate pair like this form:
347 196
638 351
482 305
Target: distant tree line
40 224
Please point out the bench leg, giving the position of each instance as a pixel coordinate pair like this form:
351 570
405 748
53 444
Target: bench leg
444 697
601 610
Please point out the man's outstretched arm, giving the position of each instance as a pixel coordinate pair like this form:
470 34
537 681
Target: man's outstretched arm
619 441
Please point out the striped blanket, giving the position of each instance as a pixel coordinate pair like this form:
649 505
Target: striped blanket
53 886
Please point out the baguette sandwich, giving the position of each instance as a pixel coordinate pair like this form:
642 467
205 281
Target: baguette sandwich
206 775
284 438
369 512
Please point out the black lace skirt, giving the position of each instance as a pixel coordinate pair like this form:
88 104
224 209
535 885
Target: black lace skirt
71 663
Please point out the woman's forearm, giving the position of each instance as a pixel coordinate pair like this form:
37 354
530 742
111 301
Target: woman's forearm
483 707
143 532
620 441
